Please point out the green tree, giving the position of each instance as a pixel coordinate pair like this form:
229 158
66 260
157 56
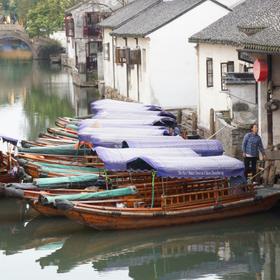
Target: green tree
5 4
22 7
47 16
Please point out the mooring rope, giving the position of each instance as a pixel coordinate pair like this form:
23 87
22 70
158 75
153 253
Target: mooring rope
153 188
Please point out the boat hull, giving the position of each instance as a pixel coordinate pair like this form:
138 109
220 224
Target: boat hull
47 211
6 178
102 219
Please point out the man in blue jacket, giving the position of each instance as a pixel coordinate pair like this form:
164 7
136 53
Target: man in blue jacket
252 145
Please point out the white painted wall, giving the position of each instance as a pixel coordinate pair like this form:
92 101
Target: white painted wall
263 100
170 77
70 50
132 73
115 75
173 61
108 65
120 71
213 97
145 71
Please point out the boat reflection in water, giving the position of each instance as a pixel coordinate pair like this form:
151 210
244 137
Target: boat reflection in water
23 229
245 248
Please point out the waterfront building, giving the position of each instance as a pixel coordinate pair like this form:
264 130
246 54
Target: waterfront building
84 40
246 36
147 56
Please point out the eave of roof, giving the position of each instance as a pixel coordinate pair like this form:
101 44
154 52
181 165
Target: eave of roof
252 27
138 34
246 47
129 18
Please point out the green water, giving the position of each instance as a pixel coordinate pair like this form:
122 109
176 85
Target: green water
33 247
33 95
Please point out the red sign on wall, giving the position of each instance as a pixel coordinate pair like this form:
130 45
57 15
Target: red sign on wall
260 70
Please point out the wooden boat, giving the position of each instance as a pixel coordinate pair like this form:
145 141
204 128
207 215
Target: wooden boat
71 150
174 209
43 142
45 202
82 161
43 170
141 183
64 121
48 136
110 181
9 169
64 132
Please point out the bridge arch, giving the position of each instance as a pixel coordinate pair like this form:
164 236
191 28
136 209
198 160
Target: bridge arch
17 32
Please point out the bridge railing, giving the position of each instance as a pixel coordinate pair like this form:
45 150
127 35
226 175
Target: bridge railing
11 27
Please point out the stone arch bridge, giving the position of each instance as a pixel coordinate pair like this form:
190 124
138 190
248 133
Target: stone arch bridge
17 32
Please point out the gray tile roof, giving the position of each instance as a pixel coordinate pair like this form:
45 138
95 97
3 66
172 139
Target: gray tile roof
254 25
155 17
127 13
85 4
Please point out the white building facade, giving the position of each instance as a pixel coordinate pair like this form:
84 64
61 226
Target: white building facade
84 39
163 69
214 62
232 44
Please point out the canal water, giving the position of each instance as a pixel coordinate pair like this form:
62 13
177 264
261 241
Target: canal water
32 95
33 247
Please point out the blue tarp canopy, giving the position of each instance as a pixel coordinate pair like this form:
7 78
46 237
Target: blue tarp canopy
109 104
117 159
171 162
115 138
113 109
202 147
133 123
116 130
116 141
130 114
9 139
189 167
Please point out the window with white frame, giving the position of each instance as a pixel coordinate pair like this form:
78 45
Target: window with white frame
209 72
106 51
226 67
144 62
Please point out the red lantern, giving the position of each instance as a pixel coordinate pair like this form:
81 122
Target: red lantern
260 70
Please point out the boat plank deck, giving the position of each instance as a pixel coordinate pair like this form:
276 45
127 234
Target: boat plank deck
266 191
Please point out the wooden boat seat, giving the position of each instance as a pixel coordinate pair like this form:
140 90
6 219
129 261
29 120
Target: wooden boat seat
131 202
207 197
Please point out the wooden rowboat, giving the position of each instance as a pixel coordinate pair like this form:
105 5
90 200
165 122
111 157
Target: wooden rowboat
62 159
174 210
51 210
8 169
140 182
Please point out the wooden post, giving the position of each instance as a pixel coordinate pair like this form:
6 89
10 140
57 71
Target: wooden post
212 121
194 123
179 116
269 111
272 173
266 172
102 89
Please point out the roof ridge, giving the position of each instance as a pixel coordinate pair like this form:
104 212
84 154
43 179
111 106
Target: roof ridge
139 13
133 16
253 22
158 16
